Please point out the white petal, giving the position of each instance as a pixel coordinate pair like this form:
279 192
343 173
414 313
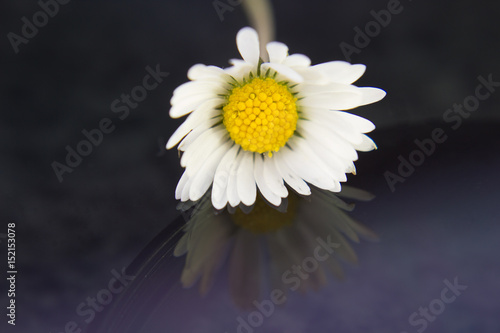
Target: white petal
205 175
301 167
236 63
273 179
185 106
193 135
334 125
321 130
181 184
371 95
332 155
316 157
308 166
204 114
266 192
277 52
354 73
247 41
341 71
204 145
209 91
333 68
350 168
193 88
310 75
361 124
289 176
366 145
297 60
336 165
185 190
221 178
246 182
240 69
196 71
284 71
331 87
232 185
333 100
200 71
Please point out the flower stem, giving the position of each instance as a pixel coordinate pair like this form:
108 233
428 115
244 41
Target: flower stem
261 17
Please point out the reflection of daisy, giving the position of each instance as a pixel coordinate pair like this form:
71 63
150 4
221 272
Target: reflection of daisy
288 241
262 125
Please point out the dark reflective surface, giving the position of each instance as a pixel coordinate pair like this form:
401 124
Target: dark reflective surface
436 252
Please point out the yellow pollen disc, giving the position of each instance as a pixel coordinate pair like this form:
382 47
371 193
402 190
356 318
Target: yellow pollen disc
261 115
264 218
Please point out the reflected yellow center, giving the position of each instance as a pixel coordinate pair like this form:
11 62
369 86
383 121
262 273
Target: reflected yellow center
261 115
264 218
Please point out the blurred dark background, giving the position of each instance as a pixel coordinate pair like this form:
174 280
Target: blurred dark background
72 233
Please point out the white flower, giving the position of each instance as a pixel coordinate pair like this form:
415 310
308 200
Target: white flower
312 234
263 125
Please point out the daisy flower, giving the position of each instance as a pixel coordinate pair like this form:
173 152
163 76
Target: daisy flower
266 244
268 125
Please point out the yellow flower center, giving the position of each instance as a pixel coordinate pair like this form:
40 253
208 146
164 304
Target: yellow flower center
264 218
261 115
